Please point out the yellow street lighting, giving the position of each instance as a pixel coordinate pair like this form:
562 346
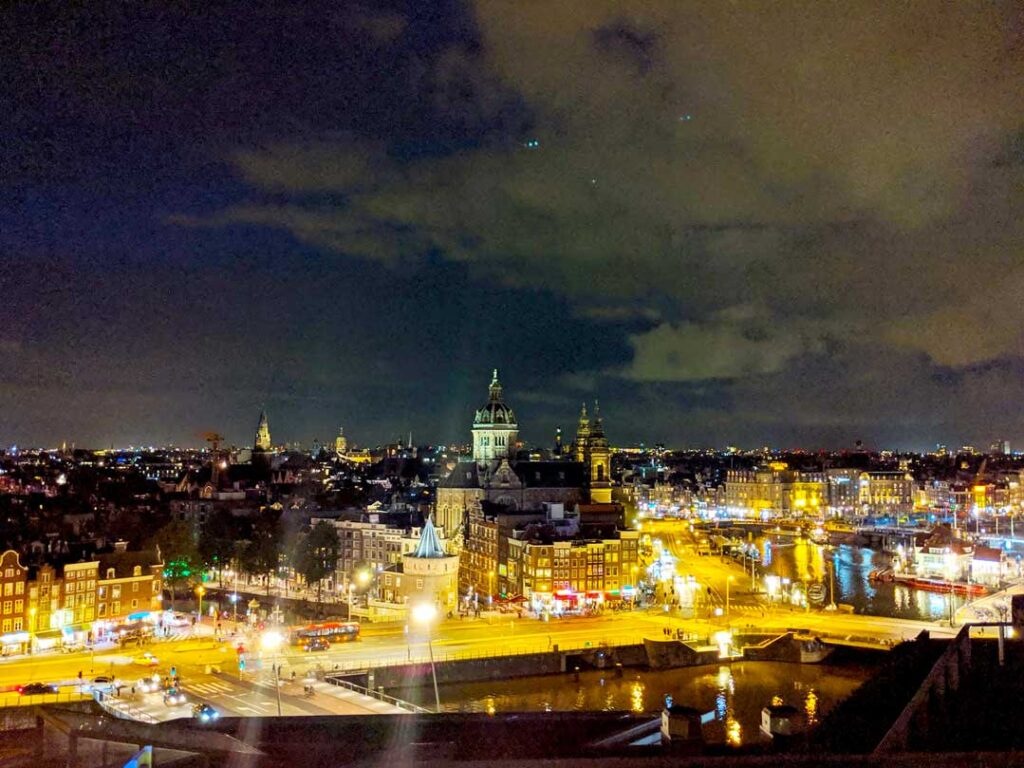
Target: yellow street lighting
200 591
271 641
363 577
728 581
425 614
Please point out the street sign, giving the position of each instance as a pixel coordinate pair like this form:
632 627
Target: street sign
816 592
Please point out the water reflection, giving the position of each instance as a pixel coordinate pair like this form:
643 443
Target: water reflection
811 707
733 694
733 732
849 566
637 697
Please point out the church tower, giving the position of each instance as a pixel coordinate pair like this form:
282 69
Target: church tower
582 445
494 428
262 442
599 470
340 442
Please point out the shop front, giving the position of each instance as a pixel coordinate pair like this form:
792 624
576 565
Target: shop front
14 643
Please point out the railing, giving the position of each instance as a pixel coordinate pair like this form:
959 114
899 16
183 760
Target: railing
400 703
395 660
122 708
63 697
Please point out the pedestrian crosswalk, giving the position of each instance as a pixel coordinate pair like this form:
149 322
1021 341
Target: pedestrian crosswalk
265 684
208 689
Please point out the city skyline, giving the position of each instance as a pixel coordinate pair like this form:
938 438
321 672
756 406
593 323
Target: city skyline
797 227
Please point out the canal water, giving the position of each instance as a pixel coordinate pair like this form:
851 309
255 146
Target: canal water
734 693
845 568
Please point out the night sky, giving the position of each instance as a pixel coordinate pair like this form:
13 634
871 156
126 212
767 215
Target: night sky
796 224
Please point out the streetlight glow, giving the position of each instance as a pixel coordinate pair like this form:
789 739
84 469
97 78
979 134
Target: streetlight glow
424 613
271 641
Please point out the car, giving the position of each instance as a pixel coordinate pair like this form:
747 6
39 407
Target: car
204 713
149 684
173 697
177 620
37 689
316 644
103 682
146 660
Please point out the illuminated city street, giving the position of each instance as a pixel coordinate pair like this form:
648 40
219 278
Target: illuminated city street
511 383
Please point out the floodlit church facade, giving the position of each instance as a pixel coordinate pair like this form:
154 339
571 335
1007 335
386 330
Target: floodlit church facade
495 474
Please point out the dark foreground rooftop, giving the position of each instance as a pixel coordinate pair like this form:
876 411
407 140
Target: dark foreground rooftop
935 703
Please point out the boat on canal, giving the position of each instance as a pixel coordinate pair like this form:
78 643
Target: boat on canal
927 584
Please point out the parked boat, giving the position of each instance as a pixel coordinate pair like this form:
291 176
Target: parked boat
941 585
929 585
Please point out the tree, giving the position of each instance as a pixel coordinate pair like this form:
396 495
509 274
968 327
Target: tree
217 539
181 558
316 556
261 556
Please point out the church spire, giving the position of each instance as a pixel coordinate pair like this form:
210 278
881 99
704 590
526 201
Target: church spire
495 388
583 436
596 426
262 441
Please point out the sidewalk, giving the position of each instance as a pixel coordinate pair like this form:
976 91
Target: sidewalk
994 607
329 699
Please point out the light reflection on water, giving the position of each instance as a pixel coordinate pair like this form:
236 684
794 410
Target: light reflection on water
849 567
734 693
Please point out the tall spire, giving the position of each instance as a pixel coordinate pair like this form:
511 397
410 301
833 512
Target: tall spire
262 441
596 426
495 388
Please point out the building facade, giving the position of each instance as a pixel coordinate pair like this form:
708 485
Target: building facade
14 637
494 474
428 574
886 493
560 572
129 584
776 490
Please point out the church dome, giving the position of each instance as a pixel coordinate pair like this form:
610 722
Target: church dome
495 412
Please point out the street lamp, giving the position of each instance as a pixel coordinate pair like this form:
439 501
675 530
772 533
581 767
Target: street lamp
728 581
490 583
425 614
200 591
31 627
271 641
